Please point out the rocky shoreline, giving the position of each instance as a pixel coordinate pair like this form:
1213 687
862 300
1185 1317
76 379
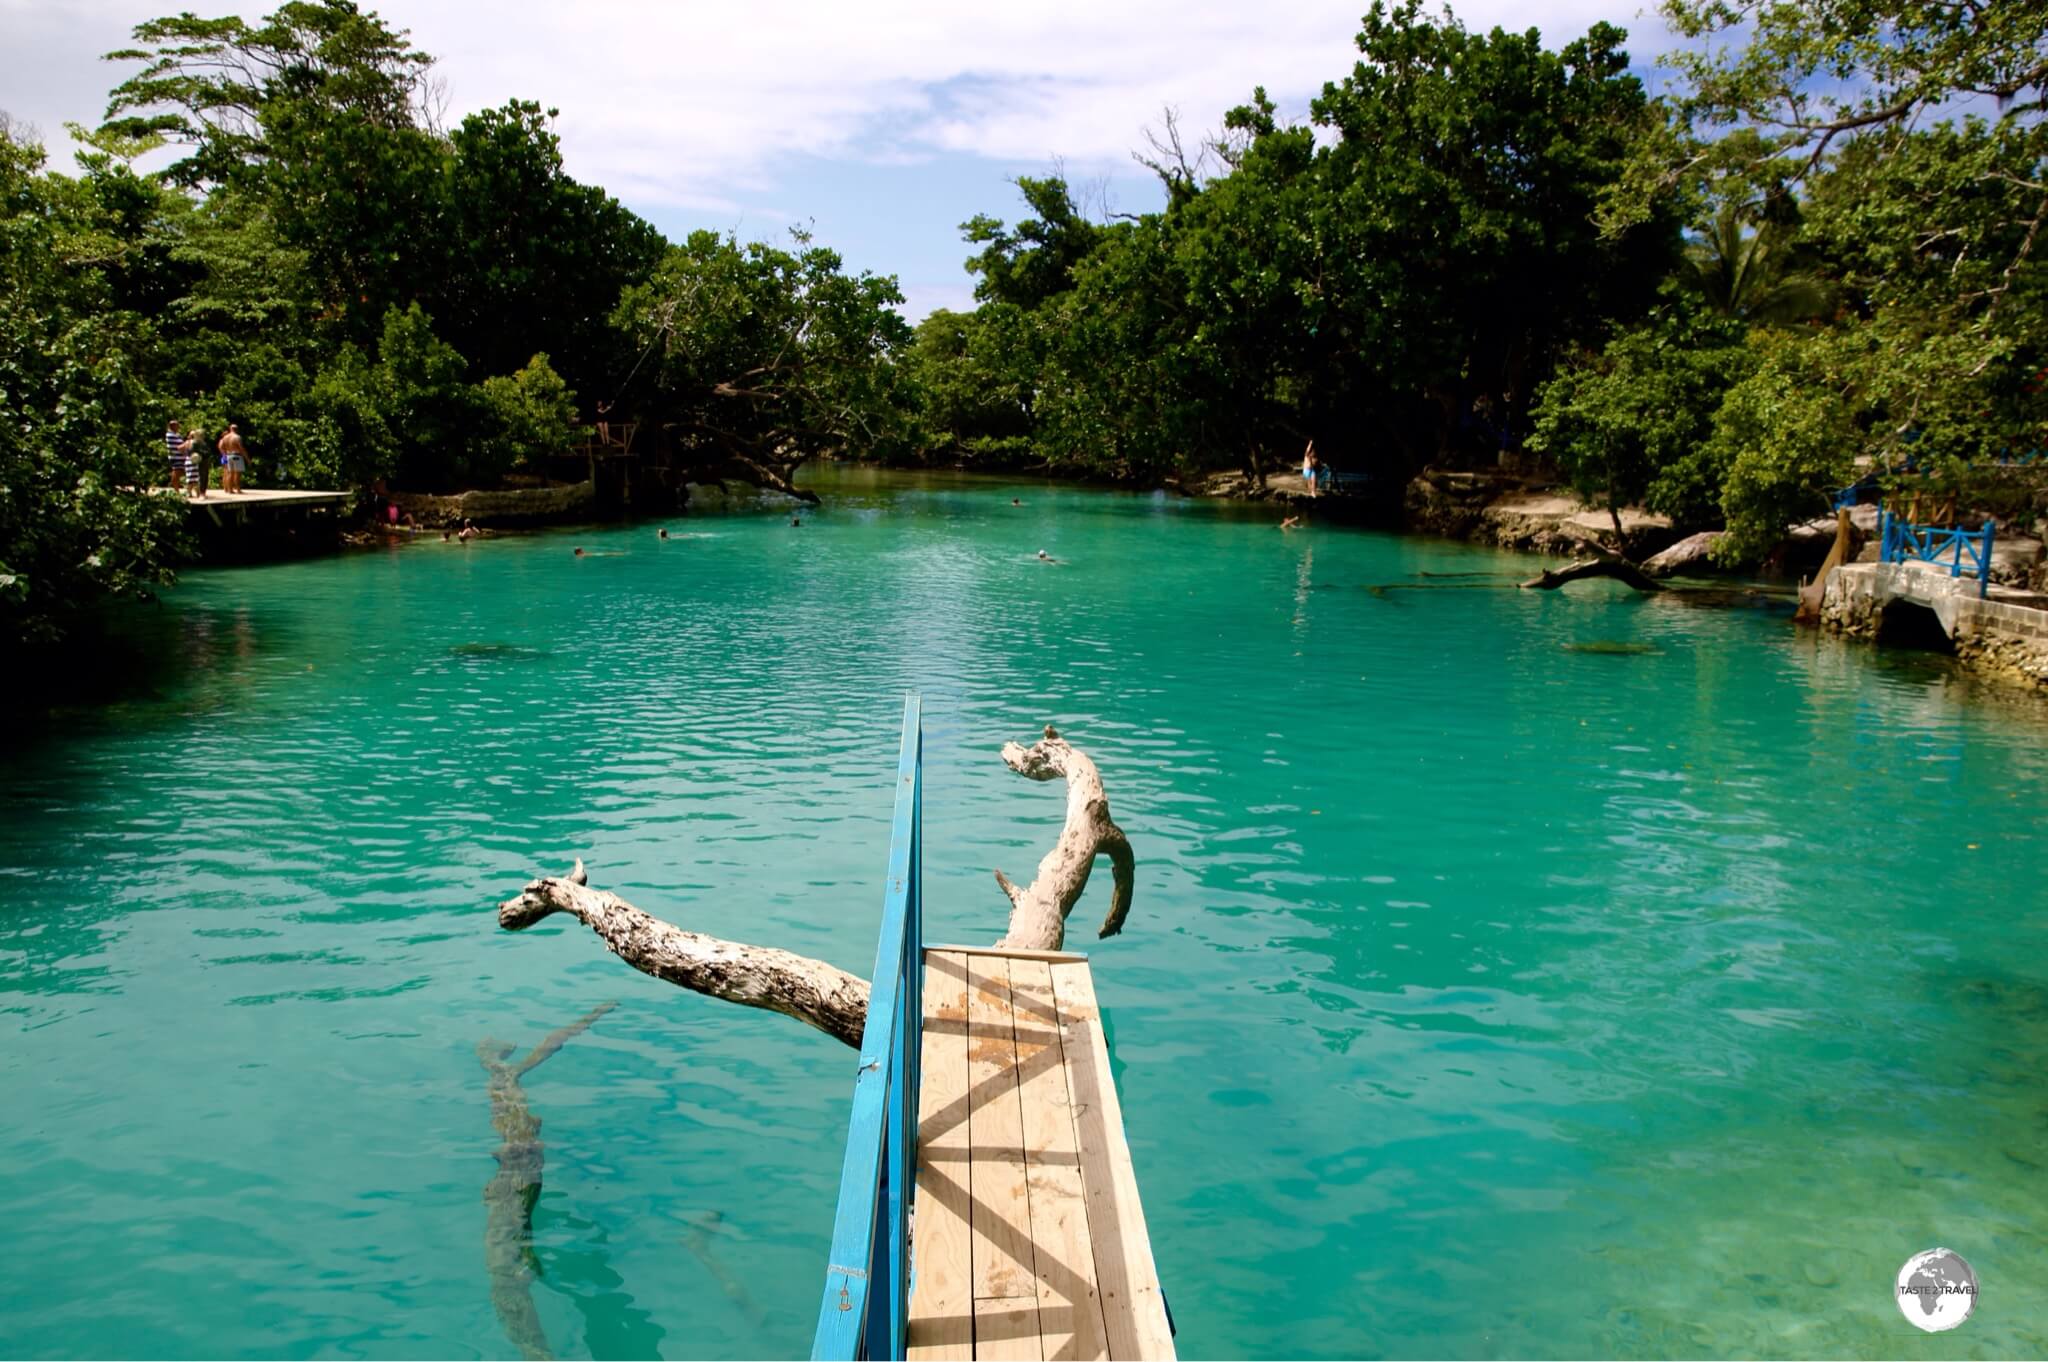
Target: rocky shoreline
1535 515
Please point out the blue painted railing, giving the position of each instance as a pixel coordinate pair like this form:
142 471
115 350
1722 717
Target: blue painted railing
1865 491
1903 541
866 1310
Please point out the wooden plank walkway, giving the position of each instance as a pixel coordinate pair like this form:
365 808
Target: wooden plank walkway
1028 1240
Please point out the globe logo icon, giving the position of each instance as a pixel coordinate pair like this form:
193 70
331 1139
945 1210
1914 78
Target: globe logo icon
1936 1290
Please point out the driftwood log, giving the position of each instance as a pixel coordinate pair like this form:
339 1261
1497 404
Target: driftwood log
1038 913
510 1195
1620 569
823 995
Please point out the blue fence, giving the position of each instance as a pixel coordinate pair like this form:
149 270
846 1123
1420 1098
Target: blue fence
1903 541
1865 491
866 1310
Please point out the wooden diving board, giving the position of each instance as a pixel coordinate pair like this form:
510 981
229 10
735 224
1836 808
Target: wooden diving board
1028 1240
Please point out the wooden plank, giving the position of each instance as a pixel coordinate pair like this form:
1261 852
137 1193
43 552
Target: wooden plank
1001 1217
1007 1329
942 1296
1133 1310
1069 1307
1009 954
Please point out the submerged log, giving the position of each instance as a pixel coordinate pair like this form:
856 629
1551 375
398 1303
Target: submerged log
510 1195
823 995
1620 569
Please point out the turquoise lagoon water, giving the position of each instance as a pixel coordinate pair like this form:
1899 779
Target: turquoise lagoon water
1481 996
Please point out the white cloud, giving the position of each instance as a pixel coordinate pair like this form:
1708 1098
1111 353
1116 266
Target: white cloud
699 105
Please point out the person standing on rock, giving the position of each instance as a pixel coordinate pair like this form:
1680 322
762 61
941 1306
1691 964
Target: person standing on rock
1309 467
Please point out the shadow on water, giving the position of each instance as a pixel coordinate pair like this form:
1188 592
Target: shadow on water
613 1326
138 665
510 1195
698 1237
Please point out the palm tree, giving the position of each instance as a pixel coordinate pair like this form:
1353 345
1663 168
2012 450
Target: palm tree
1746 271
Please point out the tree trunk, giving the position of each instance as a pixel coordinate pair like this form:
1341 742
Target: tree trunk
823 995
812 991
1038 914
1811 595
1620 569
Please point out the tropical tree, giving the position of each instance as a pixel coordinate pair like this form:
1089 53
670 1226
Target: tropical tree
536 260
763 358
217 85
1026 265
1745 268
1907 144
79 420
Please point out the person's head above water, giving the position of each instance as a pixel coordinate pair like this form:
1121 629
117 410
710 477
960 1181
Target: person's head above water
663 532
579 553
1046 556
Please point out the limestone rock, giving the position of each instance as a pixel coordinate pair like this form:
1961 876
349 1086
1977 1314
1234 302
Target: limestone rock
1691 554
2015 560
568 501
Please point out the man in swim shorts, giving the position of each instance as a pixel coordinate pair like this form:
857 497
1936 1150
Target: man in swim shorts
233 459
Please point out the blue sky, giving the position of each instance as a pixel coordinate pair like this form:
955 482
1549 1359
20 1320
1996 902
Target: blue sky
882 126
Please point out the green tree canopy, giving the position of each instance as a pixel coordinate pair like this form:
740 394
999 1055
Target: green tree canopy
762 358
79 424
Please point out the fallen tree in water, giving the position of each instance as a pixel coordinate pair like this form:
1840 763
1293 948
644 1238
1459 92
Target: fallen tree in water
511 1193
1619 569
823 995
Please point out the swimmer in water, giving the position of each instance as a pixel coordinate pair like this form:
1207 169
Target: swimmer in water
579 553
1015 502
795 521
1045 557
663 533
1292 522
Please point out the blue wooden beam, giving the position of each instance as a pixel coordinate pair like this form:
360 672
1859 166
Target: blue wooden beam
865 1310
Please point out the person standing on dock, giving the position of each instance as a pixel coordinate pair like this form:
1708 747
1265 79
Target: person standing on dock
176 446
233 459
195 467
187 463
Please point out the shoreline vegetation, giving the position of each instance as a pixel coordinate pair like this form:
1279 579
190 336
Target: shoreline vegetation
1489 278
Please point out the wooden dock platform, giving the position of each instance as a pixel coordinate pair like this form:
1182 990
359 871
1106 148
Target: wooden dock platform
222 507
1029 1240
987 1206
